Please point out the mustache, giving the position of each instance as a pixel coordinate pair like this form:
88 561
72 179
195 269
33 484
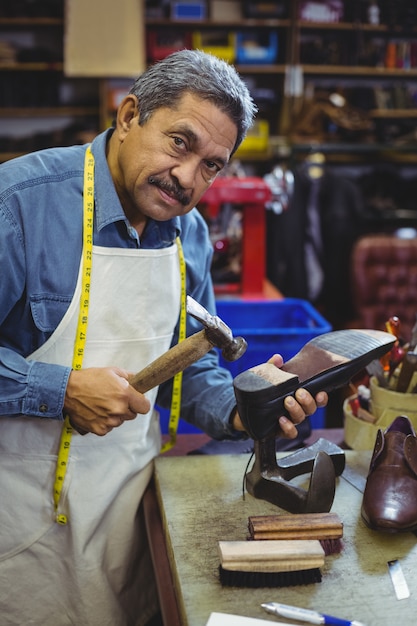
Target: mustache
173 189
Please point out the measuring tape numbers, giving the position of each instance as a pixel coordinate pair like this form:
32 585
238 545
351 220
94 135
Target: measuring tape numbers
175 411
81 335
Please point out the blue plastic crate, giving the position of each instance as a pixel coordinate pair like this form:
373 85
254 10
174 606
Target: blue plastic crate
256 48
188 10
269 327
183 426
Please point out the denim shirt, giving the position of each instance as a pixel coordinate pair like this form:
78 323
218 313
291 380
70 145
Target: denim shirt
41 210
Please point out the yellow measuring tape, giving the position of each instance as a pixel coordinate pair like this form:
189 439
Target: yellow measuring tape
80 338
174 415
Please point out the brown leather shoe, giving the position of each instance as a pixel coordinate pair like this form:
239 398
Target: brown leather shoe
390 498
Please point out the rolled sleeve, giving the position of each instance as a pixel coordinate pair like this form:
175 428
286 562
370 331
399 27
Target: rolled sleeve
46 387
31 388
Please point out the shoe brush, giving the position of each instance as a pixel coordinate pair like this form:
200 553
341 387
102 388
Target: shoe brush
325 527
273 563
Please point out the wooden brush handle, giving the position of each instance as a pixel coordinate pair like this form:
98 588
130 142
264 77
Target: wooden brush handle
296 526
270 556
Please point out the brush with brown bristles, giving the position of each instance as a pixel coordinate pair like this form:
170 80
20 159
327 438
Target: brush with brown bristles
325 527
270 563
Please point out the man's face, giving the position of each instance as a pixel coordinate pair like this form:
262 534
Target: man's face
162 169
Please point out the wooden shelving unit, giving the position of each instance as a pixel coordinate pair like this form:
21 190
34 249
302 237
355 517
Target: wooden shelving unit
365 72
81 111
44 34
268 76
290 31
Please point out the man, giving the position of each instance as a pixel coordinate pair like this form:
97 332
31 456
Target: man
84 305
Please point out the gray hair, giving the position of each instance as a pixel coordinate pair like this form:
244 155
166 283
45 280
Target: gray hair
208 77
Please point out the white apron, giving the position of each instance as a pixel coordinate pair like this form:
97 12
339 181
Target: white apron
94 571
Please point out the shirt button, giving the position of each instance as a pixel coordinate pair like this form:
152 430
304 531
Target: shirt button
43 408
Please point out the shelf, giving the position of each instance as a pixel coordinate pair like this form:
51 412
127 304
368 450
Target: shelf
365 71
377 28
243 23
277 23
358 152
56 66
365 148
30 22
73 111
7 156
341 70
328 70
393 113
260 69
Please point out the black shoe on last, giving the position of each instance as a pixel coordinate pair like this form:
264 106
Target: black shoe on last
325 363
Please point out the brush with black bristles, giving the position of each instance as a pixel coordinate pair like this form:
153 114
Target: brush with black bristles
326 527
270 563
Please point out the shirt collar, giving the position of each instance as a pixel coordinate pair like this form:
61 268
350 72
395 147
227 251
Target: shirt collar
107 205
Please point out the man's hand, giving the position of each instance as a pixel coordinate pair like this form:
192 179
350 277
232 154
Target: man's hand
299 408
99 399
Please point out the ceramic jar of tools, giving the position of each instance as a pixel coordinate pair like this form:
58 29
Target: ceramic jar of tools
385 405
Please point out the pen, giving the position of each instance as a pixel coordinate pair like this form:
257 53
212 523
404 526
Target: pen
305 615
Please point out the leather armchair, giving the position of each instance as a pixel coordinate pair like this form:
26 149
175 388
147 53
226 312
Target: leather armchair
384 281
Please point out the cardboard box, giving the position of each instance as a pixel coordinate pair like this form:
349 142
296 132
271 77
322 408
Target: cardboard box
225 11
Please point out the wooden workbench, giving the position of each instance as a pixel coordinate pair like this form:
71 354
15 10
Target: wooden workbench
200 502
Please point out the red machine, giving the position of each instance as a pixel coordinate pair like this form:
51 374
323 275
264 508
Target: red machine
235 212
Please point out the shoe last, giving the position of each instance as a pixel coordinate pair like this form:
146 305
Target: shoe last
390 498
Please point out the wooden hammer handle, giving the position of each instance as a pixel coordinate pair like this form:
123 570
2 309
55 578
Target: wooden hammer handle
170 363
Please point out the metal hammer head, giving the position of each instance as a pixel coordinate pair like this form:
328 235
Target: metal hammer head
217 332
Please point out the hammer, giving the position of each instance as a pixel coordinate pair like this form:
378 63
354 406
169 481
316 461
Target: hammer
215 334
